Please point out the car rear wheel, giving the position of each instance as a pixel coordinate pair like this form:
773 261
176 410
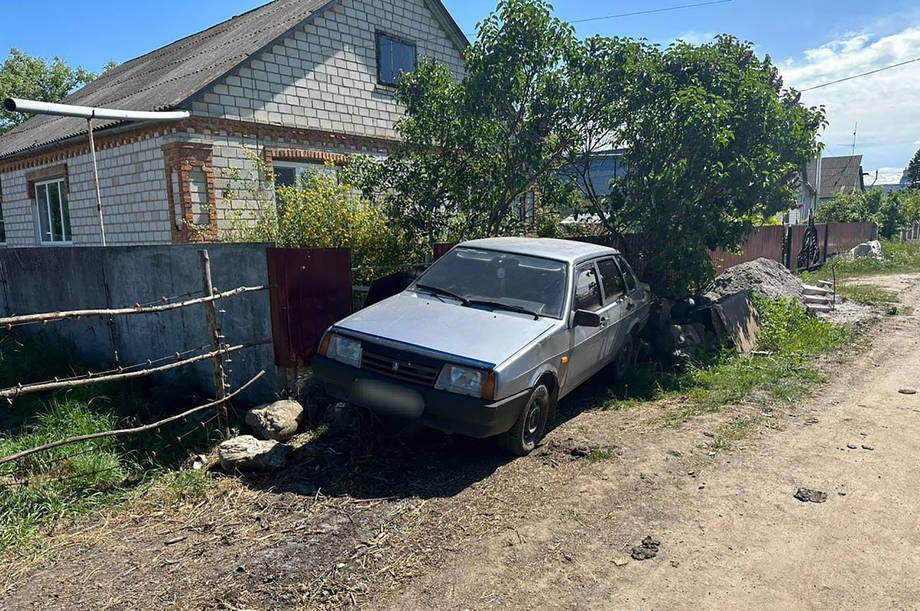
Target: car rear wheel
625 358
530 426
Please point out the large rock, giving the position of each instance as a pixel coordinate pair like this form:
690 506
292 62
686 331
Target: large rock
246 453
764 276
278 420
866 250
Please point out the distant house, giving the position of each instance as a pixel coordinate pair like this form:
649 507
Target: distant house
904 183
296 82
837 175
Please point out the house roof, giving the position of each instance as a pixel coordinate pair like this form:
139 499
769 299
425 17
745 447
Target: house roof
163 79
838 175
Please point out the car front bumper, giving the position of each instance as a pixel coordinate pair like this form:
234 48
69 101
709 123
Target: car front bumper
442 410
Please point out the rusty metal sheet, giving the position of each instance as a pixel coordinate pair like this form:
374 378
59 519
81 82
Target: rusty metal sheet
841 237
441 248
311 288
764 242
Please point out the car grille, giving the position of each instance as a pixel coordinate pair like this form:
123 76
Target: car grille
400 366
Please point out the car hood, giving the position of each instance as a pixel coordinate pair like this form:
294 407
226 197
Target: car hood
447 327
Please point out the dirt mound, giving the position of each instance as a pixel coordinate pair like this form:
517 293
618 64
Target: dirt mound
764 276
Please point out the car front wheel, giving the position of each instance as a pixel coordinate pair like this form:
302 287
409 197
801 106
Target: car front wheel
530 426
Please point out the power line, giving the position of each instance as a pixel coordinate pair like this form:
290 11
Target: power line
618 15
849 78
650 11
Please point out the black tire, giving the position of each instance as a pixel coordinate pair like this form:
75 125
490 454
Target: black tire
530 426
624 361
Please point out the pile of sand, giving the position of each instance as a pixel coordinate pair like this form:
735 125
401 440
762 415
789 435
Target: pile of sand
764 276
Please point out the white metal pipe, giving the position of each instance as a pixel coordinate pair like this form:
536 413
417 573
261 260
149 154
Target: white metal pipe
89 112
92 150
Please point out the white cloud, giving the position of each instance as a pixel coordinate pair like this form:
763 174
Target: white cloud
884 106
886 176
695 37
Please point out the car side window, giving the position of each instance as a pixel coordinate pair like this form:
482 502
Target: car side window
627 273
613 280
587 289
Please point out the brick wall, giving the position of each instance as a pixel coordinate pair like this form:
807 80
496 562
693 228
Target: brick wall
133 193
324 75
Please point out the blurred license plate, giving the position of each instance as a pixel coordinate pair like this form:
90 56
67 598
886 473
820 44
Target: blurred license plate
388 398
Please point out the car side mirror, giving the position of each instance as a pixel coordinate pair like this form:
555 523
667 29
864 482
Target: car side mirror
586 318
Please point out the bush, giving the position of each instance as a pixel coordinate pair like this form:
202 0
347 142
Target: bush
892 211
322 211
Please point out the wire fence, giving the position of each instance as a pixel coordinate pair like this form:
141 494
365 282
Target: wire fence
217 350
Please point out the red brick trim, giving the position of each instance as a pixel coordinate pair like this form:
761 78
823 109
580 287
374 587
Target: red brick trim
182 158
276 154
45 174
205 126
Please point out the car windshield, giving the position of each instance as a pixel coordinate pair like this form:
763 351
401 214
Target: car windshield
505 280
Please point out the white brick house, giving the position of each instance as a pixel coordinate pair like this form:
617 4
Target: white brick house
297 82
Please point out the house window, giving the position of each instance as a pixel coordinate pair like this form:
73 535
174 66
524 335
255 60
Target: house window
290 173
395 57
2 228
53 212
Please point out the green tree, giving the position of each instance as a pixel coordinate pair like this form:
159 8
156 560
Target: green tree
472 147
34 78
913 171
713 146
892 210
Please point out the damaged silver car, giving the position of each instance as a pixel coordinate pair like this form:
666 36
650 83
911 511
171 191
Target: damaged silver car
490 337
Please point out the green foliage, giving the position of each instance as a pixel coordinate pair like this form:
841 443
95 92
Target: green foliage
787 329
713 146
472 148
913 171
867 293
325 211
714 142
897 257
892 210
34 78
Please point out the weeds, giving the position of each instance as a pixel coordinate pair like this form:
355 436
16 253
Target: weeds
789 338
69 481
868 294
897 257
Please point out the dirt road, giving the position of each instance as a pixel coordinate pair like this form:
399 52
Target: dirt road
446 524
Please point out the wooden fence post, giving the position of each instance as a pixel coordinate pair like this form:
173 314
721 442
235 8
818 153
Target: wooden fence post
216 341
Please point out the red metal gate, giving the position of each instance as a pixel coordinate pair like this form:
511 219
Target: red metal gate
310 289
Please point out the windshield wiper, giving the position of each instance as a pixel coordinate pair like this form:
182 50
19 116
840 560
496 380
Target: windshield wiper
503 306
439 291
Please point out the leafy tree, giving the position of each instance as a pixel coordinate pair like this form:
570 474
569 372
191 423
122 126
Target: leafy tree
472 147
34 78
892 210
913 171
713 145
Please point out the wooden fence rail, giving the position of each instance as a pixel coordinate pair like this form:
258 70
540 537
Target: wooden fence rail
131 431
25 319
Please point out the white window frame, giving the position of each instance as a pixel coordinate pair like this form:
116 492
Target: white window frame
38 218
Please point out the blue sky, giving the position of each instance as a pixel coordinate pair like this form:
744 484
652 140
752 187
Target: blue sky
814 41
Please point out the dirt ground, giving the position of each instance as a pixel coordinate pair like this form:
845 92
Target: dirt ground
429 521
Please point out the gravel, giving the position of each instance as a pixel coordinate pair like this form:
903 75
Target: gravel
764 276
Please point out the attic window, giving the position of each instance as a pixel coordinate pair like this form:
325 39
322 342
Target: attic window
395 57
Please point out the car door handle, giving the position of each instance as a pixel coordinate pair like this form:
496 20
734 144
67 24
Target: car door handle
630 305
604 321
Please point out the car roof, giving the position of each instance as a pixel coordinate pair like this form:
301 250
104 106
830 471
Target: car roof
550 248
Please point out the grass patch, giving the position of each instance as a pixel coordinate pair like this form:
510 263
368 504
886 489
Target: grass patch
733 432
602 454
868 294
898 258
790 338
69 481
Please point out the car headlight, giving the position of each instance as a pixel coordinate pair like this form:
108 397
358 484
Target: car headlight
466 381
342 349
